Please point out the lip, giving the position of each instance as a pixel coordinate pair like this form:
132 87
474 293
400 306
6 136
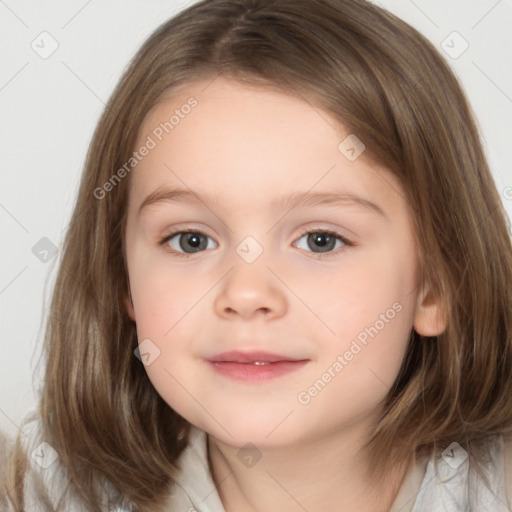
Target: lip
235 356
241 365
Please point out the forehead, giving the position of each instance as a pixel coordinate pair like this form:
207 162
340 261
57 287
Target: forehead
238 137
238 108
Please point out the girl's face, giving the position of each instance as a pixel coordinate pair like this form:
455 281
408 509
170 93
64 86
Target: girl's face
331 281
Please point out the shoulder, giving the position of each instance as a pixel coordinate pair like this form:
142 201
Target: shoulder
44 481
25 466
453 481
45 484
507 463
194 489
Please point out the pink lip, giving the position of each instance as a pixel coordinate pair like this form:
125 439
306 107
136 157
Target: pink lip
235 356
240 365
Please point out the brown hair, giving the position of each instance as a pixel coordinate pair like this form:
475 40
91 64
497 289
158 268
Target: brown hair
390 87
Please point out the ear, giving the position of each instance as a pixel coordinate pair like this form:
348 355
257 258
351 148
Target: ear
128 303
429 318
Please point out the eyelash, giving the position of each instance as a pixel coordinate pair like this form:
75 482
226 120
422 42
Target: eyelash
163 241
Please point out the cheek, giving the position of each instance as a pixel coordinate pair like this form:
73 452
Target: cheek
167 305
369 306
164 302
355 374
366 286
161 294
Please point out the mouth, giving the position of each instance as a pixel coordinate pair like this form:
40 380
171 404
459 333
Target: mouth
254 366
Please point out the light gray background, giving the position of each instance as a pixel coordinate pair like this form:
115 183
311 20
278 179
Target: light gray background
50 107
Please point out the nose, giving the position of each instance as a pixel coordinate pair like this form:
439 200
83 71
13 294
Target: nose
250 290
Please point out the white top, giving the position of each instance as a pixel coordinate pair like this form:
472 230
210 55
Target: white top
452 489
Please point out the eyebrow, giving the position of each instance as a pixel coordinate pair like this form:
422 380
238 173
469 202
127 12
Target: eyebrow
294 200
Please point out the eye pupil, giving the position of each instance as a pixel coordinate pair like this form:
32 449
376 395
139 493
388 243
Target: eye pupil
195 241
320 238
323 240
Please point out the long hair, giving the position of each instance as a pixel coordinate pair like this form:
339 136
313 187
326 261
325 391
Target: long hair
391 88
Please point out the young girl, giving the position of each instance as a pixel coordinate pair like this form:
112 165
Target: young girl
285 285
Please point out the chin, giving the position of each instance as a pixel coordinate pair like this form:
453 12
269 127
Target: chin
262 434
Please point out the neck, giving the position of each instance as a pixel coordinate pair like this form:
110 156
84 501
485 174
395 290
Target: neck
324 474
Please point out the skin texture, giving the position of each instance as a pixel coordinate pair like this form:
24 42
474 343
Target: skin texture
249 146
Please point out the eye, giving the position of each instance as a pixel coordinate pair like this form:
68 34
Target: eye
187 242
325 241
321 241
